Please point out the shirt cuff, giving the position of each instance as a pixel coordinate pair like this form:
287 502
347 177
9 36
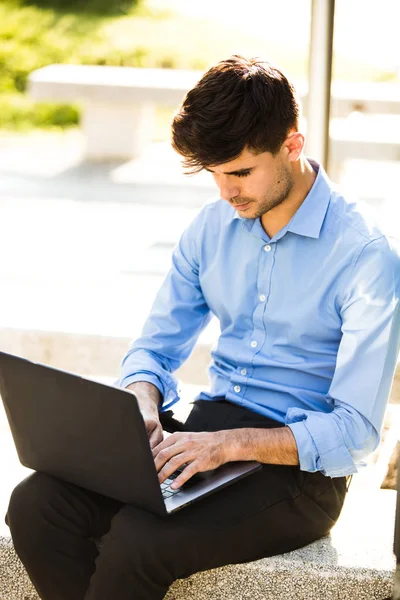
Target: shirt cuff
168 393
308 454
320 443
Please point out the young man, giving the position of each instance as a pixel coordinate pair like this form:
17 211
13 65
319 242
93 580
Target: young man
306 289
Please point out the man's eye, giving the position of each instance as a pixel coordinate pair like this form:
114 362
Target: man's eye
243 174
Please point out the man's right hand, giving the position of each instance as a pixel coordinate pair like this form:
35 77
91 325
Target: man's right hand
149 398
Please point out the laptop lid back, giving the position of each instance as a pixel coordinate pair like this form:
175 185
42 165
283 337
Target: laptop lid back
79 430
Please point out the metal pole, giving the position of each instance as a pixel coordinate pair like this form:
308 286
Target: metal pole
319 80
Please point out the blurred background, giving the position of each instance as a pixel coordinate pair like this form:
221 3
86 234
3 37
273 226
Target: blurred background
86 243
87 224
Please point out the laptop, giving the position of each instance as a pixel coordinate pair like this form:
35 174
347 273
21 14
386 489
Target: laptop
93 435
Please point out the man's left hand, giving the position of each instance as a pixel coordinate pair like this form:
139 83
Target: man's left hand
198 451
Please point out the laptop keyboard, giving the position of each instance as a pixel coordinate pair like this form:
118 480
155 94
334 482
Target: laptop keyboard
166 490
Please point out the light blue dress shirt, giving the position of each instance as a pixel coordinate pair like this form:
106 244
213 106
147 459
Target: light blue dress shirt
310 322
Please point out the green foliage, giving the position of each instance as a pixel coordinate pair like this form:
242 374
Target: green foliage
19 113
31 38
96 7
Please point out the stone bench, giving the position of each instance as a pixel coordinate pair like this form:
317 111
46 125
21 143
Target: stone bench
119 103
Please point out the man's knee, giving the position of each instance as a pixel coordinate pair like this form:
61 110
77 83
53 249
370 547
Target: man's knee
26 499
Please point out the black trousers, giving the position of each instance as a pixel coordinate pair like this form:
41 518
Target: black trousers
54 525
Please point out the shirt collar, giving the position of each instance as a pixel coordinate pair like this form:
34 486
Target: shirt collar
309 217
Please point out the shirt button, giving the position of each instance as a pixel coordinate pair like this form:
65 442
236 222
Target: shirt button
267 248
253 344
237 388
262 297
243 372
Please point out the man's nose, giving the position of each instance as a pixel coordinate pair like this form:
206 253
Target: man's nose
228 189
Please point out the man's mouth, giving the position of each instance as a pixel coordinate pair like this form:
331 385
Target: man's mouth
240 206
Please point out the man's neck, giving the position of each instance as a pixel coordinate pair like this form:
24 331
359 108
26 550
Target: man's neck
303 180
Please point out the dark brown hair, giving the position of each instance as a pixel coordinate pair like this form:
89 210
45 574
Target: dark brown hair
238 103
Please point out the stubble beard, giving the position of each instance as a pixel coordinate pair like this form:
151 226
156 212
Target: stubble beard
273 198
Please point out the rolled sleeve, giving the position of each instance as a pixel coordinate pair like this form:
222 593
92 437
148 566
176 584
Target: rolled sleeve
333 443
170 394
309 459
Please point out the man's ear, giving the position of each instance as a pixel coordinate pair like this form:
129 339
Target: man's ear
294 145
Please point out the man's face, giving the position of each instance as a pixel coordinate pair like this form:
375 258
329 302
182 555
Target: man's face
254 183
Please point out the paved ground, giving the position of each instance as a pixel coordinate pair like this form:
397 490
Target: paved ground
85 247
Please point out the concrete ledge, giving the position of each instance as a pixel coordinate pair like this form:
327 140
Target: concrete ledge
84 353
14 582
